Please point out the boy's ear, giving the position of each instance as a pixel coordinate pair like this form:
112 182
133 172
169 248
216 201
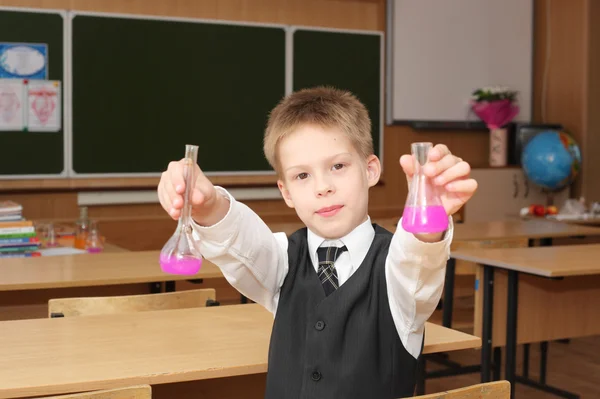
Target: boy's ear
373 170
285 193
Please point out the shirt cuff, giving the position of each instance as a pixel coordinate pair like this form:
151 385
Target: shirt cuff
434 252
221 230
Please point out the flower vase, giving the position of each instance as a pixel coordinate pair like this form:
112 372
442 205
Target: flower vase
498 147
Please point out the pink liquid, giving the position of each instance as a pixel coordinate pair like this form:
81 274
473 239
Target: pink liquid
185 266
425 219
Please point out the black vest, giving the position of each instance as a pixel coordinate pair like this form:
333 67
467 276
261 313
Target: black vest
342 346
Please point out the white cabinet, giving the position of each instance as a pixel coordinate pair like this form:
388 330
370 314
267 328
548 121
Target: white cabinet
502 192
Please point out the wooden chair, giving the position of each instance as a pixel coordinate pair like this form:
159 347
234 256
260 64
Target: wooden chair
489 390
68 307
134 392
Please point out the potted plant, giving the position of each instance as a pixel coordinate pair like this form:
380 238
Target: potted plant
496 106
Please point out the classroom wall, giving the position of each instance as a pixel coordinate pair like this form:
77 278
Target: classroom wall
122 223
591 185
572 76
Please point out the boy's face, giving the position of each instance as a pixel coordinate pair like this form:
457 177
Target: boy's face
326 180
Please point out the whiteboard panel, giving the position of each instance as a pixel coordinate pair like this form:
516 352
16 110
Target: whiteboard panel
440 51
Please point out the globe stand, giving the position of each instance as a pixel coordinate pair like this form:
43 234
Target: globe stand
549 197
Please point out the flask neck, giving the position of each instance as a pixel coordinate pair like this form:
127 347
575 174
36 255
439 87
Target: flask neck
191 156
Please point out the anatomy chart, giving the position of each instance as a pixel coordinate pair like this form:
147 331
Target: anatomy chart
12 104
44 106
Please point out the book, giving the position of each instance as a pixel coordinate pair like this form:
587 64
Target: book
17 235
11 218
10 207
16 230
19 248
18 240
20 223
20 254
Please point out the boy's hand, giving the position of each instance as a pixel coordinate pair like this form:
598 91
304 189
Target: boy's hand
207 206
448 172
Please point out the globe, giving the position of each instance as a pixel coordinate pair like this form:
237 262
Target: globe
551 160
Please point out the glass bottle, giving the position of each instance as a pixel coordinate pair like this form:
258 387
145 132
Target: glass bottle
180 255
423 211
94 242
83 225
51 236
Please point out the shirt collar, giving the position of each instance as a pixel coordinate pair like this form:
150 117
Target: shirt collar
358 242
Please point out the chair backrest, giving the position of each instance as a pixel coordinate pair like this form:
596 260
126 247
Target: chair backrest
488 390
68 307
134 392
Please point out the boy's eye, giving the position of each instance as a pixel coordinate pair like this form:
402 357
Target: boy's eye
302 176
338 166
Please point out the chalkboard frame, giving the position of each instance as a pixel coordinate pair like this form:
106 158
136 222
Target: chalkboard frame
380 150
74 13
67 84
65 90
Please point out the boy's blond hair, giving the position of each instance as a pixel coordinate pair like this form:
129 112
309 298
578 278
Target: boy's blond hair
322 106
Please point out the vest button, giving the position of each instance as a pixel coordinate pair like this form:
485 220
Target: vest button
316 376
320 325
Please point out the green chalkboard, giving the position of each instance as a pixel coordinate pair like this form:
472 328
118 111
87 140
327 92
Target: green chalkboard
142 88
32 154
350 60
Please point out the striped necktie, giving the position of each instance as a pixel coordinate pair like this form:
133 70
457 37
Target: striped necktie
327 272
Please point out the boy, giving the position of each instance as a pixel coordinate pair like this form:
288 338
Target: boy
350 299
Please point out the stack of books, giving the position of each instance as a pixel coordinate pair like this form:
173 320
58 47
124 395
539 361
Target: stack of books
17 235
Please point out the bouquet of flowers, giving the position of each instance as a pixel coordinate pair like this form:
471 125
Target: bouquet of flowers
495 105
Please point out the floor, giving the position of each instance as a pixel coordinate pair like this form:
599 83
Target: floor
572 366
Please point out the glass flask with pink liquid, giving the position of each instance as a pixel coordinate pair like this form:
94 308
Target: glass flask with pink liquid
423 211
181 255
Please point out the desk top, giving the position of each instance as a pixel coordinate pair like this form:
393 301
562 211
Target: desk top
554 261
108 247
55 356
508 229
90 270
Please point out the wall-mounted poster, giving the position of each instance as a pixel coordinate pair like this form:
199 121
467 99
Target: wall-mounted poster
24 60
44 110
13 104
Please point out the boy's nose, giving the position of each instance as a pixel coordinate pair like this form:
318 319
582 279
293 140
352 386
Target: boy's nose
324 187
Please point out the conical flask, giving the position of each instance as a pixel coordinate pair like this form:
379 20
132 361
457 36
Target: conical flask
423 211
181 255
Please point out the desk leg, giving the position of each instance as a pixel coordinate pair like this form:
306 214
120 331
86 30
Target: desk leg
511 329
488 307
170 286
497 363
420 386
448 301
526 360
543 361
155 288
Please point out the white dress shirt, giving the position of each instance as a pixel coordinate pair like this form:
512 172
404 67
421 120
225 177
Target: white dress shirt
254 260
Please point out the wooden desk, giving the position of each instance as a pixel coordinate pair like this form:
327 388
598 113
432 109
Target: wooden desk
90 270
511 229
529 229
108 246
486 236
56 356
543 294
26 284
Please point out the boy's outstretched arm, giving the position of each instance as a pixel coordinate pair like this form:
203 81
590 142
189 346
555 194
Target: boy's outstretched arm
231 235
415 267
251 257
415 272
